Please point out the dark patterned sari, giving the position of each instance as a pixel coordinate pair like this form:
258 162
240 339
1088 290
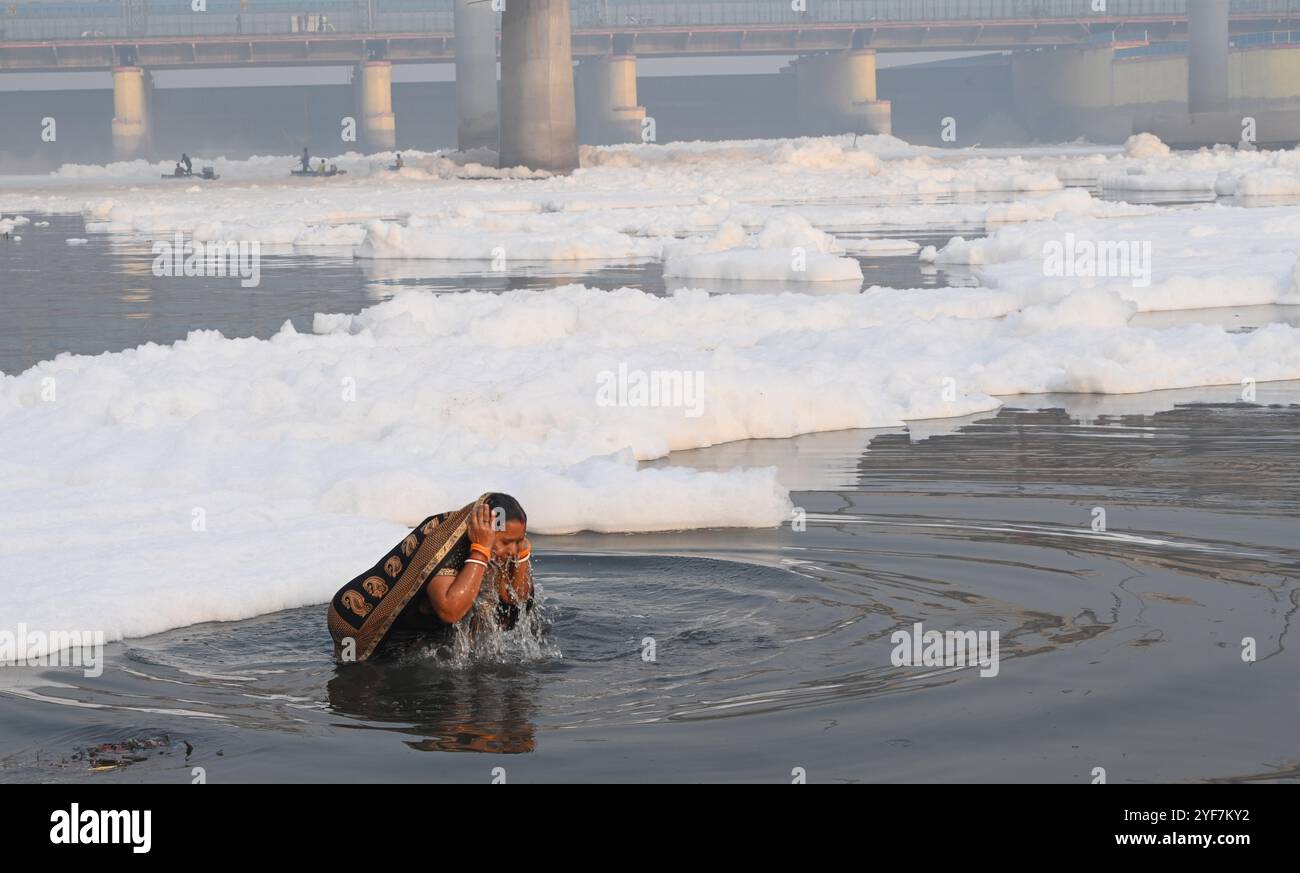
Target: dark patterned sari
364 611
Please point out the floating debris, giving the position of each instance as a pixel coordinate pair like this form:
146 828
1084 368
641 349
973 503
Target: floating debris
103 757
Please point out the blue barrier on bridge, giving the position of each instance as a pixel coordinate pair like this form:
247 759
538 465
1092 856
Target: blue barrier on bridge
1274 37
1250 40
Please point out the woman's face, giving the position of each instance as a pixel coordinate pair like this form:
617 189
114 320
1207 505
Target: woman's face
509 541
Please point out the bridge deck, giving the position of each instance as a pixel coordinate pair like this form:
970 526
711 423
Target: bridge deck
890 29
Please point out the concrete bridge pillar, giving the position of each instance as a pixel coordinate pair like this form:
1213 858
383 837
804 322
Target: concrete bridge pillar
374 82
131 97
608 100
476 75
837 94
1068 92
539 127
1207 80
871 114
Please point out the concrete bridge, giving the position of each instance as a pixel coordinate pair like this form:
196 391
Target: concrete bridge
835 43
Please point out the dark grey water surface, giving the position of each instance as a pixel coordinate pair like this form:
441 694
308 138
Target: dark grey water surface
103 296
1121 649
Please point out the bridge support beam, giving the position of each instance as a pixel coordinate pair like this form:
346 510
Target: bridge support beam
608 100
539 126
837 94
131 96
1207 79
374 83
476 75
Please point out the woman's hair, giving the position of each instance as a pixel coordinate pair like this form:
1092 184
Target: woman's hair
509 506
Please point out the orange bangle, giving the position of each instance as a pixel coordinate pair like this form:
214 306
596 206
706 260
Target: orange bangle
524 557
487 553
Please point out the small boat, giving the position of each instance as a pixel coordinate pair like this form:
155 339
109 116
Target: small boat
207 174
332 171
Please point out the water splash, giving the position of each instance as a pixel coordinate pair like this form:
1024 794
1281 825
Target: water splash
479 639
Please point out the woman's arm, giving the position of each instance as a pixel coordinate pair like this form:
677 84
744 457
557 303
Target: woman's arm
517 586
452 597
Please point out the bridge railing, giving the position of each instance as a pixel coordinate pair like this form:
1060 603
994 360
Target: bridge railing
22 20
670 13
1274 37
706 12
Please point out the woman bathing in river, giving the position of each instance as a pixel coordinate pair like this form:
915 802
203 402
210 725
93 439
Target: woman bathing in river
426 585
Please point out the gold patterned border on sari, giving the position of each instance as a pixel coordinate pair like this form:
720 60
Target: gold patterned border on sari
363 611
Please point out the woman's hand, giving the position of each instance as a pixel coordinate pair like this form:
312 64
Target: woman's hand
481 531
520 583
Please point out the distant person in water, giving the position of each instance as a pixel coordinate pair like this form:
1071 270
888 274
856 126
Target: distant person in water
399 161
306 160
189 166
473 563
